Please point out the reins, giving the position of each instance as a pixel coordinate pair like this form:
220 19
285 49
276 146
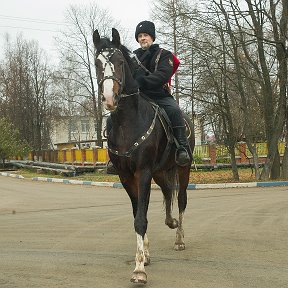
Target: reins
128 95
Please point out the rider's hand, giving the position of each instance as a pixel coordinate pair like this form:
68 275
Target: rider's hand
139 77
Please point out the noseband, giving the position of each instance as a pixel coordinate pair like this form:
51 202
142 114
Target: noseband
111 52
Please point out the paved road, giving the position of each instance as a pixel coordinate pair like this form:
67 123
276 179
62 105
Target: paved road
61 235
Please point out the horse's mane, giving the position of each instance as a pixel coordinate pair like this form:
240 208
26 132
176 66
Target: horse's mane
127 55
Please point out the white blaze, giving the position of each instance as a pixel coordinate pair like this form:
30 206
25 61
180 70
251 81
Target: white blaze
108 83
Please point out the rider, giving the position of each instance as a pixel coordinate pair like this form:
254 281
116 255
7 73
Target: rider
153 83
152 76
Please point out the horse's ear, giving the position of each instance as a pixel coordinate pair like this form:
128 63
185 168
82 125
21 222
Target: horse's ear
96 38
115 37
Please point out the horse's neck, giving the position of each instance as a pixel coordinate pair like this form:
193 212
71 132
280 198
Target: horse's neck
127 110
131 116
130 85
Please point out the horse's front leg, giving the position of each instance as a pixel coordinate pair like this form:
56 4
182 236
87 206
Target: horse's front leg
146 250
139 274
140 224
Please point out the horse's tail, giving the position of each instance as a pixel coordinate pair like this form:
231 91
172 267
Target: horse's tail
175 183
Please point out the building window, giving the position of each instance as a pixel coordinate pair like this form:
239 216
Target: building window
73 127
85 126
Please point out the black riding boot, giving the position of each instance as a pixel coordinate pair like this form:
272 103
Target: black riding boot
182 152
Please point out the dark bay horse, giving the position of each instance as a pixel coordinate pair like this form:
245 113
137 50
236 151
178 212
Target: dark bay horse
138 145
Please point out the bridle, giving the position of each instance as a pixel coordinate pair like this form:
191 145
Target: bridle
107 57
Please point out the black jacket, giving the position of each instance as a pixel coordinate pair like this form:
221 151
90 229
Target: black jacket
152 83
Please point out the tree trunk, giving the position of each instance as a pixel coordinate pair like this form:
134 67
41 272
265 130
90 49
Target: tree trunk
234 164
252 149
275 169
284 173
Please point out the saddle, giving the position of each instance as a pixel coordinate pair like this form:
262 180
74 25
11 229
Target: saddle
167 126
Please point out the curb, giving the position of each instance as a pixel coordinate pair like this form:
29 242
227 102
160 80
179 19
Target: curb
11 175
191 186
77 182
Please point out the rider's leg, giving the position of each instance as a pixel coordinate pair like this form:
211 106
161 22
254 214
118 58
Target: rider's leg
174 113
182 153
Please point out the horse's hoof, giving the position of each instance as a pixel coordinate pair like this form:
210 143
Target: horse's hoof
179 246
139 277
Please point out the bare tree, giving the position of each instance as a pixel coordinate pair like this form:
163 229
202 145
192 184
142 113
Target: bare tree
175 31
24 82
76 47
69 97
254 43
236 75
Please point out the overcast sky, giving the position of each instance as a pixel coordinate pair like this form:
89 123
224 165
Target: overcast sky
40 20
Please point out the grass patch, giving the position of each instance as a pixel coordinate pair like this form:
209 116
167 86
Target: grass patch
197 177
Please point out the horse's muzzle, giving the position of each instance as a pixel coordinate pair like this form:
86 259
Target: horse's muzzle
110 103
110 107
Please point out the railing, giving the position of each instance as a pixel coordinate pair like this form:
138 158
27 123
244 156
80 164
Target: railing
91 156
205 154
212 153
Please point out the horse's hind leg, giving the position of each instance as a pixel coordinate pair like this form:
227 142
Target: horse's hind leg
182 203
169 221
165 180
179 242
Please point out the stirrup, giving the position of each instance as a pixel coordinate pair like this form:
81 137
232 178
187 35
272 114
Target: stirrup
111 169
185 161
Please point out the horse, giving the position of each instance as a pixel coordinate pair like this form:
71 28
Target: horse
139 145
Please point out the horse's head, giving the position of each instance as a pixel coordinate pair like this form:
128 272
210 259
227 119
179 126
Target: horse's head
110 66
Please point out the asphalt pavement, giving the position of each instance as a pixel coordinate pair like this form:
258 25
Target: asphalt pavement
62 235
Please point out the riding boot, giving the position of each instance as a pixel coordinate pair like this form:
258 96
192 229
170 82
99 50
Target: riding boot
182 151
